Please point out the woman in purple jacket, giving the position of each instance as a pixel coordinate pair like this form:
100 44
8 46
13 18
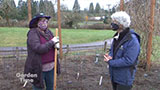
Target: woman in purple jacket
41 46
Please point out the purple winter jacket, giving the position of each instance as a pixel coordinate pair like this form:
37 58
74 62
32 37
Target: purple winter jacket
35 49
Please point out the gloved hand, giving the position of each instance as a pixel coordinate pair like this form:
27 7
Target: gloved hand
57 45
55 40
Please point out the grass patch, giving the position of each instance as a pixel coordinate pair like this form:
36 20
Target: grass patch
10 37
156 48
85 36
16 36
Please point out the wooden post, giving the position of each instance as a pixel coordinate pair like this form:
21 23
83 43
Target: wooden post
29 11
55 65
17 54
149 45
105 46
122 5
67 49
59 28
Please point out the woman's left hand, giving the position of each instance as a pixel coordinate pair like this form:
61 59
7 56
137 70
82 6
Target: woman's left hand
107 57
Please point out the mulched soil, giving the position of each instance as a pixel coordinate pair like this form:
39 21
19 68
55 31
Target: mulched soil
89 75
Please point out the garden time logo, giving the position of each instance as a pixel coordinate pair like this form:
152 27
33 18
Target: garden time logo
26 77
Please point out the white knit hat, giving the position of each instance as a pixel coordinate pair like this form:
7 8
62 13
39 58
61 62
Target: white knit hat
122 17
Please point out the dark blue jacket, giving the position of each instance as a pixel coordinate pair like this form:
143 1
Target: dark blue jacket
123 65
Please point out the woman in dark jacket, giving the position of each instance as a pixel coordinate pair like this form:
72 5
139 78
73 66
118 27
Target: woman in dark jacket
41 46
124 52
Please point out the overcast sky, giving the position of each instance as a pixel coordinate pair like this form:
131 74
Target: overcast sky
85 3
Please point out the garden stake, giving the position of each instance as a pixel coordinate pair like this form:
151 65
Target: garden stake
55 64
100 81
77 75
25 83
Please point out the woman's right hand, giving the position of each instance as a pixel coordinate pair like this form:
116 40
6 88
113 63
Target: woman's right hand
55 40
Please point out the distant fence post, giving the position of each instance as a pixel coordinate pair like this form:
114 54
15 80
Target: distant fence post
105 45
17 53
67 49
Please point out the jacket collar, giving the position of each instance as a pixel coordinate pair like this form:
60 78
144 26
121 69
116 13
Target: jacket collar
119 36
116 36
125 38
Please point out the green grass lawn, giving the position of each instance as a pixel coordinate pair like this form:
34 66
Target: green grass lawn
16 36
156 48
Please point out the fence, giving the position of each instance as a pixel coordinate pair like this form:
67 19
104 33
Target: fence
20 53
